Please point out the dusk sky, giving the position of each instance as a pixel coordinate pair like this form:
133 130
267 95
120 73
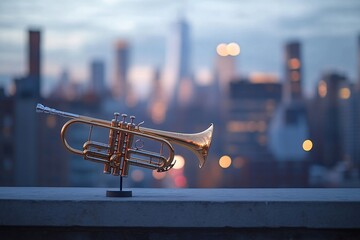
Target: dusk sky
75 32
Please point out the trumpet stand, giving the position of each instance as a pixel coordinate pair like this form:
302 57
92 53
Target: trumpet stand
120 193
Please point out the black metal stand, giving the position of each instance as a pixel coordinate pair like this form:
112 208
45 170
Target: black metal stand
120 193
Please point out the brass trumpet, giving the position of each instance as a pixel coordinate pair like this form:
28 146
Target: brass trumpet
119 153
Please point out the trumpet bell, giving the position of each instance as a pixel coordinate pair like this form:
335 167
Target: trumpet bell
197 143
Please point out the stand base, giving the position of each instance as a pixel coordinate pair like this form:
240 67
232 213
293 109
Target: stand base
119 193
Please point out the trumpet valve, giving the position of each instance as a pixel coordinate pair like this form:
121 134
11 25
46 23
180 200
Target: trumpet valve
116 171
116 115
124 116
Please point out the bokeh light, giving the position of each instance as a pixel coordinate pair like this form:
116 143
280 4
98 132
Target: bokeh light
233 49
294 63
344 93
221 50
137 175
180 181
307 145
322 89
225 161
158 175
180 162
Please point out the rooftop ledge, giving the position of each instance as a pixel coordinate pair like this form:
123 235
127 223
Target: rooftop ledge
217 208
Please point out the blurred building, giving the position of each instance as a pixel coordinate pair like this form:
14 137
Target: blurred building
293 72
62 90
34 60
358 59
122 54
250 109
349 120
26 121
53 158
329 119
225 72
289 127
178 80
97 77
7 140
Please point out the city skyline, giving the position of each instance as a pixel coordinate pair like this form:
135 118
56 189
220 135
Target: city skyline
327 31
259 129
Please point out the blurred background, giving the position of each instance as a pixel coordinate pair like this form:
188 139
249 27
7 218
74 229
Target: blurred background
280 81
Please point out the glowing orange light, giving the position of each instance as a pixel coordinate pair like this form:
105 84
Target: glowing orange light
344 93
295 76
158 175
258 77
322 89
307 145
221 49
236 126
294 63
137 175
233 49
225 161
180 162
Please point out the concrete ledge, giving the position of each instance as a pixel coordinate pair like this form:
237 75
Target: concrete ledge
186 208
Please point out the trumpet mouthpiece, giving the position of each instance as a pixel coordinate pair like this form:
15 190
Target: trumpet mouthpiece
40 108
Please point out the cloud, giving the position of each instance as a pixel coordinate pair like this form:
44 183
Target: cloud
324 18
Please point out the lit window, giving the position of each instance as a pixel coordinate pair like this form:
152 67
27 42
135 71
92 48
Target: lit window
322 89
344 93
294 63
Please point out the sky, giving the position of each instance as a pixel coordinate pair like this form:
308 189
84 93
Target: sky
75 32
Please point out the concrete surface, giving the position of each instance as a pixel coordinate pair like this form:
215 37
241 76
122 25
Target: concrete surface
186 208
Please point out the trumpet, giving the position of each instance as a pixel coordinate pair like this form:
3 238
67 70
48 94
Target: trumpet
122 150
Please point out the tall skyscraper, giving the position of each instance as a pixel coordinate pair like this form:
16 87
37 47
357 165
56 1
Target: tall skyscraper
97 82
121 69
26 120
250 109
178 59
358 46
225 71
293 72
34 60
329 119
7 139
